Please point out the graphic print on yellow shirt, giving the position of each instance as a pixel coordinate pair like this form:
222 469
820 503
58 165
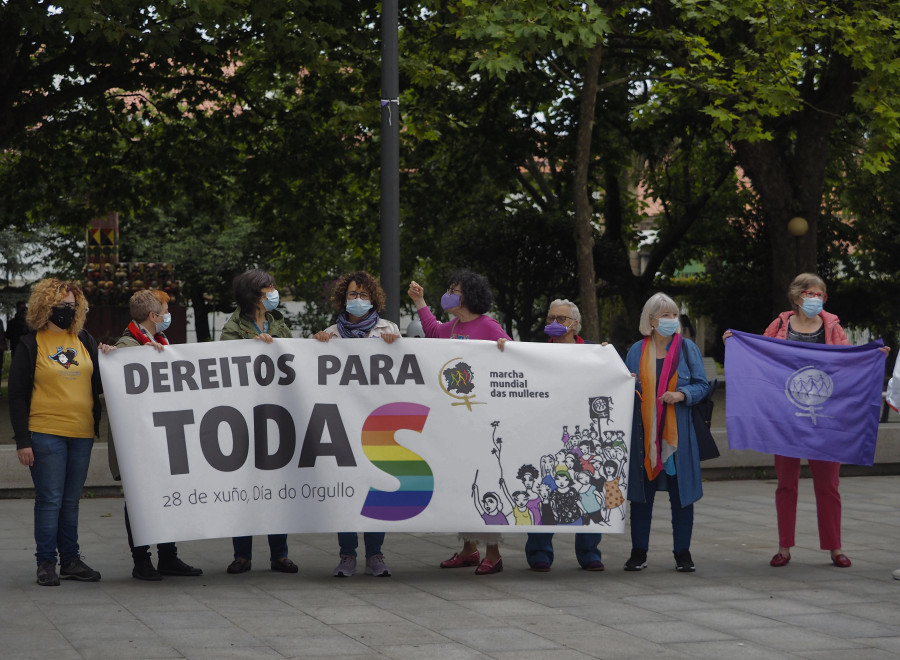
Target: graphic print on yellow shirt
62 401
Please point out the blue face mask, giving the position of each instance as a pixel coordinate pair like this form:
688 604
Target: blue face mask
271 301
555 329
812 306
667 327
358 307
449 301
166 322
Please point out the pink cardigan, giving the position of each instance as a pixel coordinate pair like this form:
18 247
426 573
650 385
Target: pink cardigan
834 333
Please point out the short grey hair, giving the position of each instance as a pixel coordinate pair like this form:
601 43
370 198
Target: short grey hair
573 311
659 303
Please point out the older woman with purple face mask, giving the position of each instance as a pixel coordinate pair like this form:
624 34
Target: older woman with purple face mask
563 324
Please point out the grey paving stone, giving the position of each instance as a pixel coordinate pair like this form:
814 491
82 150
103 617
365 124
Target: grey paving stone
333 644
37 645
790 639
733 650
384 634
725 620
506 638
840 624
735 605
669 632
859 654
432 652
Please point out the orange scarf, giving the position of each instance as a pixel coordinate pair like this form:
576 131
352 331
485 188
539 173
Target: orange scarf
659 443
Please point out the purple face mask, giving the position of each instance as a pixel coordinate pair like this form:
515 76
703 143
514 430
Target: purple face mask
449 301
555 329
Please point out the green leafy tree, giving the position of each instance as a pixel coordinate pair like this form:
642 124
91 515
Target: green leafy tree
782 82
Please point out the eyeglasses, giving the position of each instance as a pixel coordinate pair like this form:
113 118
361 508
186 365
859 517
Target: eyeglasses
559 319
812 294
457 291
68 305
362 295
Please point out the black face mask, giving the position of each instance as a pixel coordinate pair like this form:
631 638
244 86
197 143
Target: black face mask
62 317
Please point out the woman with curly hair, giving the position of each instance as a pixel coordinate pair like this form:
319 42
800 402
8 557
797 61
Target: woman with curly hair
468 299
54 406
358 297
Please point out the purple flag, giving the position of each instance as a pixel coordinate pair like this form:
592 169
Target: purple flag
803 400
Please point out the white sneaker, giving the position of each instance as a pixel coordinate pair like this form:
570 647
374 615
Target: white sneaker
347 567
897 574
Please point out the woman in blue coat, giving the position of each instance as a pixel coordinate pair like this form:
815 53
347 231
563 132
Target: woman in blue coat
669 379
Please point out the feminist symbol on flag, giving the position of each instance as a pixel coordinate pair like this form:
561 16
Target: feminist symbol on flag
809 388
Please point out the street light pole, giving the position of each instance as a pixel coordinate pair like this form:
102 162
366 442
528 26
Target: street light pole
390 159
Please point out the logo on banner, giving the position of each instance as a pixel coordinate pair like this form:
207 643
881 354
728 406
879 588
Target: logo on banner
458 382
601 407
809 389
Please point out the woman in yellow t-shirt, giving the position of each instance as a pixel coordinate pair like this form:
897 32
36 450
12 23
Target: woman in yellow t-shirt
54 403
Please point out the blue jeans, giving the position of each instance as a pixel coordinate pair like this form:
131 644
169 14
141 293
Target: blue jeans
349 541
539 547
642 516
59 471
243 547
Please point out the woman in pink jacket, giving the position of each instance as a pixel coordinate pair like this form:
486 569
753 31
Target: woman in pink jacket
808 322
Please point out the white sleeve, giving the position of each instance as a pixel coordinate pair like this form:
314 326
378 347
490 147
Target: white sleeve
893 388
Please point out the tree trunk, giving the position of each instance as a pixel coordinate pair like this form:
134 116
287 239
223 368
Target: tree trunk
584 237
788 174
201 320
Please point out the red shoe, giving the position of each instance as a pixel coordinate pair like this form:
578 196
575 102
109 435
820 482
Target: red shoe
456 561
841 561
486 567
780 560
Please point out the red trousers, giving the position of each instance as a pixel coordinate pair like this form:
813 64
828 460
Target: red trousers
825 476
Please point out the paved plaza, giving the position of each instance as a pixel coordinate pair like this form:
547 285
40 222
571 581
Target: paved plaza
734 606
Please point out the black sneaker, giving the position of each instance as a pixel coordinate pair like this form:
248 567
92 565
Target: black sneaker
78 570
46 573
174 566
637 561
683 561
143 570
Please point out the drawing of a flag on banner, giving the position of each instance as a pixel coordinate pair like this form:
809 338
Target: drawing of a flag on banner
803 400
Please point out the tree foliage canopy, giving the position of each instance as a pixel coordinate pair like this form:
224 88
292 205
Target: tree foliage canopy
538 138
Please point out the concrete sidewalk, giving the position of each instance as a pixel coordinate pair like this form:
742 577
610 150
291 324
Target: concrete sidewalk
734 606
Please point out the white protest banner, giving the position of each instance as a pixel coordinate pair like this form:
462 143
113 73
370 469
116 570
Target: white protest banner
242 437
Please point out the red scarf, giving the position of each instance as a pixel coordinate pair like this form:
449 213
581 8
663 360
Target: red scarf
140 335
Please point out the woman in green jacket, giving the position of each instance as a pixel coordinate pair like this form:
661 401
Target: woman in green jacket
257 318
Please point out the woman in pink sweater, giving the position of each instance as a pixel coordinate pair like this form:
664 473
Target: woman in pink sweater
468 298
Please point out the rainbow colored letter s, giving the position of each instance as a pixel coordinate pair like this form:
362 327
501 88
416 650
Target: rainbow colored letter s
416 477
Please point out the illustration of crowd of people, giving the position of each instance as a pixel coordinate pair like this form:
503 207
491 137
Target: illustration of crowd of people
581 484
582 480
